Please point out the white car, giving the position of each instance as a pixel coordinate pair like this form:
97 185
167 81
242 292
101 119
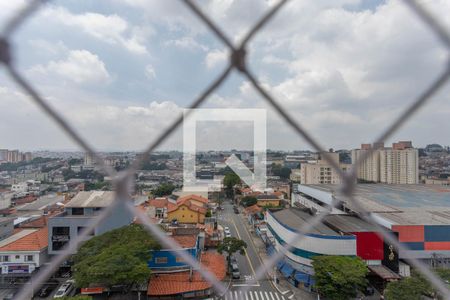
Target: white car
64 289
226 229
227 234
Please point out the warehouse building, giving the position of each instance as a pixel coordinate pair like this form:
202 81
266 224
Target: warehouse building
417 215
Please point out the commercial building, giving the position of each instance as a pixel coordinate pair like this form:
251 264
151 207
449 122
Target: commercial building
396 165
296 266
417 215
23 252
320 171
79 212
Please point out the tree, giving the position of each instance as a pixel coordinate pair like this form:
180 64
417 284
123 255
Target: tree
231 245
229 181
339 277
208 214
119 256
164 189
280 171
414 287
248 201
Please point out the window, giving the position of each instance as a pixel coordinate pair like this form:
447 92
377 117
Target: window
179 259
29 258
161 260
17 256
77 211
4 258
61 230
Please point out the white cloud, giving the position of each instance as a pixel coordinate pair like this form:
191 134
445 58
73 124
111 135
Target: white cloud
188 43
111 29
150 72
215 58
80 66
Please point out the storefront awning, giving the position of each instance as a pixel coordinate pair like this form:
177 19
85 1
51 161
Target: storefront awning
301 277
384 272
287 270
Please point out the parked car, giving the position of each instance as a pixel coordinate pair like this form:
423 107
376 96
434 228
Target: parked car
227 234
64 289
226 229
236 210
46 290
235 271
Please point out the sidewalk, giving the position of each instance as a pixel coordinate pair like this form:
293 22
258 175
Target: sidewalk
283 286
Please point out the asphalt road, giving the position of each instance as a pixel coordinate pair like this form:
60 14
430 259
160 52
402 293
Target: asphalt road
248 263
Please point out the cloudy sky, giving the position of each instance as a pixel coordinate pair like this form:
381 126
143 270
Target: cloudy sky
121 71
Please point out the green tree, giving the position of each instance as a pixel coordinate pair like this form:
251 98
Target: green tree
208 214
414 287
116 257
248 201
164 189
339 277
281 171
229 181
231 245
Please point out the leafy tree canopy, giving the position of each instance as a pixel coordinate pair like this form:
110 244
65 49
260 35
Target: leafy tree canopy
339 277
248 201
231 245
164 189
116 257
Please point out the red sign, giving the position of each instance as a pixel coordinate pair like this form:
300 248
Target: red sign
92 290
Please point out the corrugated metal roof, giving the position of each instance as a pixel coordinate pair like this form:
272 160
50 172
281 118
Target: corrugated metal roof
92 199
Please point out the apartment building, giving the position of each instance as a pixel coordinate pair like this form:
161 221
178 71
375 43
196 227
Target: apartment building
396 165
320 171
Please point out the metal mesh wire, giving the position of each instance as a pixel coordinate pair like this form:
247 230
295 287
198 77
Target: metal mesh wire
123 180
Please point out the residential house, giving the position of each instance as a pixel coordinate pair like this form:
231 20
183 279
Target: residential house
187 284
23 252
189 209
169 260
268 200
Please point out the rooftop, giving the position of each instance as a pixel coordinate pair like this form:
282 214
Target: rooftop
399 204
176 283
42 202
296 218
346 223
26 240
186 241
92 199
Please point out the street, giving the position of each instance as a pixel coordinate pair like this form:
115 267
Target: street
261 290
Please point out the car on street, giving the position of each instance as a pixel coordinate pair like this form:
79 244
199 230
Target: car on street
233 260
227 234
236 210
235 271
226 229
64 289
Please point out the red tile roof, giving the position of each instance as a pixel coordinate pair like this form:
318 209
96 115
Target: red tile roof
176 283
253 209
37 223
158 202
34 241
190 205
192 197
185 241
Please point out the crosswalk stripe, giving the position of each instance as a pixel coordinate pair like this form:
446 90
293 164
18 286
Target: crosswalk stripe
236 295
276 295
262 295
271 296
282 298
251 295
266 295
256 296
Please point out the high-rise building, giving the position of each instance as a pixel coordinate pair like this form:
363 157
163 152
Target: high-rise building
396 165
321 171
